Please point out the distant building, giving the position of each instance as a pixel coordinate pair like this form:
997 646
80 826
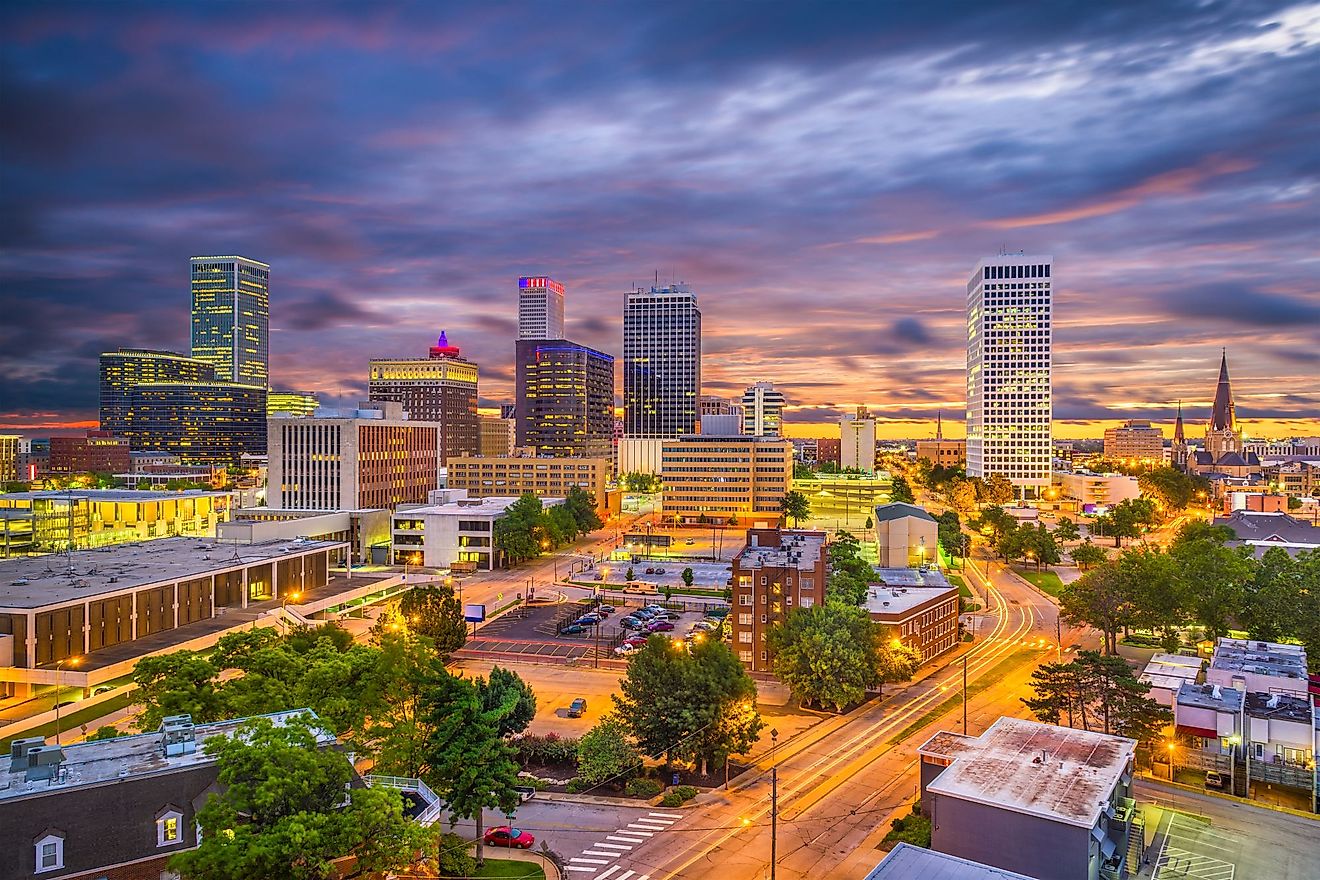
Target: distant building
1261 531
908 862
565 394
366 531
1103 490
483 477
352 459
844 497
763 410
1135 442
857 441
712 405
497 435
291 403
661 362
33 458
1179 452
1166 673
776 571
1298 478
440 388
201 422
231 318
906 536
942 452
452 530
111 808
125 368
1224 453
722 479
96 452
1050 802
1284 450
1009 320
829 450
915 607
9 457
540 308
722 425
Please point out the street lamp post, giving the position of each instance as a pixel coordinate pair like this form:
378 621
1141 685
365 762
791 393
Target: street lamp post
284 605
72 661
774 800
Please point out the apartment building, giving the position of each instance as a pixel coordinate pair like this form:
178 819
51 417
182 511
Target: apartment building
725 479
483 477
916 608
95 452
776 571
452 530
1136 441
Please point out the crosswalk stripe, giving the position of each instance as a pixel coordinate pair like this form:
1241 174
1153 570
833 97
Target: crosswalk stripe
592 852
607 873
667 815
626 874
652 824
643 829
611 846
633 836
644 877
625 839
581 868
589 861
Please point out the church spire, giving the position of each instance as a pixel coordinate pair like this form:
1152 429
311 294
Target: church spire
1221 416
939 424
1178 436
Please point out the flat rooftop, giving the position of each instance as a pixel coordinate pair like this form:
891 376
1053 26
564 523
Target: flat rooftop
1209 696
1056 773
1283 707
1170 671
898 590
492 504
117 495
908 862
1260 658
89 763
38 581
796 549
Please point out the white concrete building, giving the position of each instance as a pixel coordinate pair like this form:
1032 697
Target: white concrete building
1009 319
857 441
451 530
1098 489
763 409
540 308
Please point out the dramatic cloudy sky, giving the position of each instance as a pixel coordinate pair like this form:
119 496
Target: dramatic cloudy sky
824 175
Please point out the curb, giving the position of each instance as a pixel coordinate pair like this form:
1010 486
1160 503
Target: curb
1223 796
522 855
598 800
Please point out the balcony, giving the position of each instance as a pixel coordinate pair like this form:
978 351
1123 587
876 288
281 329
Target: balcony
419 802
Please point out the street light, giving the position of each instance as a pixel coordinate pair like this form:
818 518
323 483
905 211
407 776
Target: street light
774 800
72 661
284 606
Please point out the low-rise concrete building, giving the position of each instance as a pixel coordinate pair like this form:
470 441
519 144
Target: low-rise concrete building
776 571
719 479
908 862
452 530
366 532
916 607
1258 667
1167 673
1049 802
905 535
544 477
1096 490
845 497
943 452
1261 531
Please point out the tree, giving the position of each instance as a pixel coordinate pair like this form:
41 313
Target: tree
1099 692
466 761
177 683
1100 599
515 533
688 576
869 524
902 492
606 752
832 654
639 483
1012 543
950 533
1214 577
628 576
849 574
434 611
698 707
1129 518
285 809
796 505
508 699
961 495
1169 486
1087 555
1066 530
994 522
105 731
1039 543
582 506
996 489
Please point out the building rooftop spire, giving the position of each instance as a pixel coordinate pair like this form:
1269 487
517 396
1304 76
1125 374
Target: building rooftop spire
939 424
1221 416
1178 436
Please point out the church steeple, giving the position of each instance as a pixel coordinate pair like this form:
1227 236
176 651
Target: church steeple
939 424
1178 436
1221 416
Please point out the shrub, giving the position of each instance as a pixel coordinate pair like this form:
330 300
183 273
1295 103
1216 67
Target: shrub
678 795
454 859
577 785
549 749
642 787
899 824
671 799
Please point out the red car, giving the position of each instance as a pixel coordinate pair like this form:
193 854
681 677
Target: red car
659 626
503 835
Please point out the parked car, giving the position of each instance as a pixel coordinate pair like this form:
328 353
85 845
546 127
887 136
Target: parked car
632 623
587 620
659 626
703 626
606 609
645 613
573 629
650 569
690 541
659 571
659 609
717 611
1215 779
636 641
627 648
577 708
503 835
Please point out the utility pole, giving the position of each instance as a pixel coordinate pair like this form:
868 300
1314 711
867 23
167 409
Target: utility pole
964 701
774 801
1058 636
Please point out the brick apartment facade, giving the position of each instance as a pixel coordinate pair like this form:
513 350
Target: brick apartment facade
918 608
97 452
776 571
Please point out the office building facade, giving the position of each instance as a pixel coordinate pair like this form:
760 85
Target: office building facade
352 459
661 362
453 531
857 441
97 452
440 388
1009 339
483 477
916 608
725 479
201 422
1135 441
540 308
777 571
763 410
565 397
231 318
496 435
292 403
9 457
126 368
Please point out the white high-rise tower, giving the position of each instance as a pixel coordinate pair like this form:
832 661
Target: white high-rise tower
763 409
540 308
1009 311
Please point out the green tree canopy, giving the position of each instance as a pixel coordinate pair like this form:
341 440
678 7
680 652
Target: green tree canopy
508 699
516 534
996 489
902 492
1101 598
849 574
1066 530
434 611
1088 555
1097 692
582 506
794 504
606 751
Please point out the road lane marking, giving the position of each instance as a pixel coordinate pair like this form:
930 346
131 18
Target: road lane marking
626 874
644 829
631 840
607 873
667 815
654 823
592 852
580 868
589 861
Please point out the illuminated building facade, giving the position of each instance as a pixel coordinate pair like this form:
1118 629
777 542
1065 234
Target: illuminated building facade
661 362
126 368
231 318
763 409
776 571
1009 339
857 441
440 388
565 395
293 403
8 457
718 479
1135 441
352 459
79 519
497 435
97 452
543 477
540 308
201 422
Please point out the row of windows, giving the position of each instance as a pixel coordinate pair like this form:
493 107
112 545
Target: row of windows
1027 270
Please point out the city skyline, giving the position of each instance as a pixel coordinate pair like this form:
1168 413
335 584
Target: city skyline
826 182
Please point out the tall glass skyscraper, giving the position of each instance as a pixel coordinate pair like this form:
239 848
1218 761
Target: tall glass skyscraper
565 394
231 318
1009 406
661 362
540 308
126 368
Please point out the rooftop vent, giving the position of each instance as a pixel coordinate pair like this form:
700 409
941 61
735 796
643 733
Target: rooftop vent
19 749
178 736
44 762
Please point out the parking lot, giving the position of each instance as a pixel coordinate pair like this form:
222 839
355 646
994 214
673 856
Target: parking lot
705 575
1194 850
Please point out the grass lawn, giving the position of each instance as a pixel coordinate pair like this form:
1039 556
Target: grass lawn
69 720
958 582
912 828
510 868
1046 581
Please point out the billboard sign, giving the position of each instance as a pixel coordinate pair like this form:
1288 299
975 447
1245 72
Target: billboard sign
474 613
